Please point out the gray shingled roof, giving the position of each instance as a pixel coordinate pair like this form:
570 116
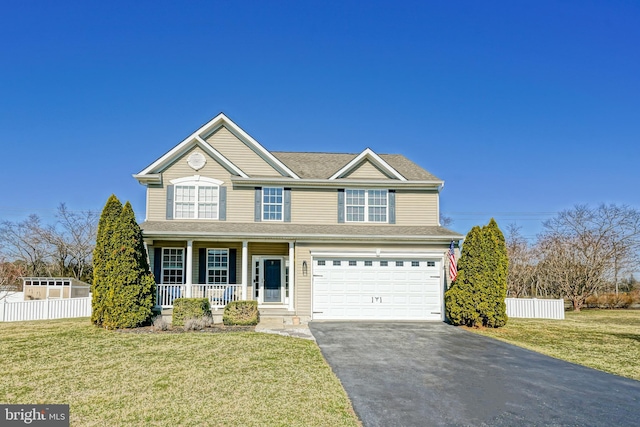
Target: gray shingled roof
283 231
323 165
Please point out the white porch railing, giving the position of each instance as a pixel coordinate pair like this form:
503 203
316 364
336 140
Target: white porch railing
533 308
165 294
218 295
45 309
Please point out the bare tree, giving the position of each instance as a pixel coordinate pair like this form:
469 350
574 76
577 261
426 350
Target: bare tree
445 221
522 264
64 248
25 241
74 237
584 249
10 274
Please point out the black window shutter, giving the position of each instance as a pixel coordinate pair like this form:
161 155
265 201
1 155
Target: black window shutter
392 206
222 203
287 205
258 204
169 201
157 265
341 205
232 266
202 266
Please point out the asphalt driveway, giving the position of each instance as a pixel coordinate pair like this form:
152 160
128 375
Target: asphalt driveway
433 374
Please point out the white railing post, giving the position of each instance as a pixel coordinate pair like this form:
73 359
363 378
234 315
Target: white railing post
4 308
292 269
189 273
245 268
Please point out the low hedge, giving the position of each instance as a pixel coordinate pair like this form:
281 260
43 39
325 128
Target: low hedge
620 300
243 313
189 308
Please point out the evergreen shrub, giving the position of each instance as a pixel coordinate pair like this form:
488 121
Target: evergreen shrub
477 296
242 313
189 308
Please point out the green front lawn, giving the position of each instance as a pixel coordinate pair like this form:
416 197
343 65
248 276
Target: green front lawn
188 379
608 340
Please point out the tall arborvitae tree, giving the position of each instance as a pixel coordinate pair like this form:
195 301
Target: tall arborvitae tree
477 295
131 285
102 253
497 272
462 300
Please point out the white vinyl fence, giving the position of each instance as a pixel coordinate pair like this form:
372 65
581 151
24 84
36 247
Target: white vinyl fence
533 308
45 309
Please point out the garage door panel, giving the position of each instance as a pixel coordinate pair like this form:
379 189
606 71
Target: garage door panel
372 290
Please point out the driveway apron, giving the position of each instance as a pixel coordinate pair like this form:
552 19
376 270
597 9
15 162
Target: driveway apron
433 374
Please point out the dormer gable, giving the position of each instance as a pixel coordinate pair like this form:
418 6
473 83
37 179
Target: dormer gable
369 164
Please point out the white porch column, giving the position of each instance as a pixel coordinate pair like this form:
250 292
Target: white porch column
245 268
292 274
146 244
189 271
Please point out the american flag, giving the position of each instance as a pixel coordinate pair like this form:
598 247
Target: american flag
453 268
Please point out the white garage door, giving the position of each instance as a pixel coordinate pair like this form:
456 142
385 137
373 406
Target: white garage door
371 289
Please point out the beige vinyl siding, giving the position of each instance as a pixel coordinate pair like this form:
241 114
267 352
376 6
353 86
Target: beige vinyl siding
416 207
238 153
240 204
302 290
367 170
239 201
314 206
268 248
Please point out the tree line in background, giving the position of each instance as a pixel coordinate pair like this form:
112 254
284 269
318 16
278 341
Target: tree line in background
583 254
63 249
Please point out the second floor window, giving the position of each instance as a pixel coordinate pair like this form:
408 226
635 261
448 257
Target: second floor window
196 198
272 204
366 205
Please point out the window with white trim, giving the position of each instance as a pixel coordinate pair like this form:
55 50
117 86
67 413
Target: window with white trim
272 203
196 198
218 266
366 205
172 266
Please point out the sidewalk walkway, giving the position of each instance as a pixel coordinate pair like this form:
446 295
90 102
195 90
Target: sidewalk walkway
297 331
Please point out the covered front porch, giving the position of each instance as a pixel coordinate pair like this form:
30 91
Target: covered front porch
224 271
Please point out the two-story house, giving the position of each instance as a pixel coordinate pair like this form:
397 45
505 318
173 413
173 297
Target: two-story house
307 235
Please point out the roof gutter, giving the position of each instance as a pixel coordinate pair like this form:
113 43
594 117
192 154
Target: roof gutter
336 183
315 237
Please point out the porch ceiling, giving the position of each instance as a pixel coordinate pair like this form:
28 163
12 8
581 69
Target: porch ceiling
288 231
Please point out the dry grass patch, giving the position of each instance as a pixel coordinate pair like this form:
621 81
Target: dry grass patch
608 340
189 379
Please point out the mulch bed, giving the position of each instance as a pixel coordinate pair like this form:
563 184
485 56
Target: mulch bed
215 329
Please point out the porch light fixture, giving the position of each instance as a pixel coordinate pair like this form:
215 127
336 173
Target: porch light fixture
305 268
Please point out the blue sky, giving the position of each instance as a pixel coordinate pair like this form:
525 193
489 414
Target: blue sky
523 108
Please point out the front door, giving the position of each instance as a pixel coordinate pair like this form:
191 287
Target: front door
272 280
